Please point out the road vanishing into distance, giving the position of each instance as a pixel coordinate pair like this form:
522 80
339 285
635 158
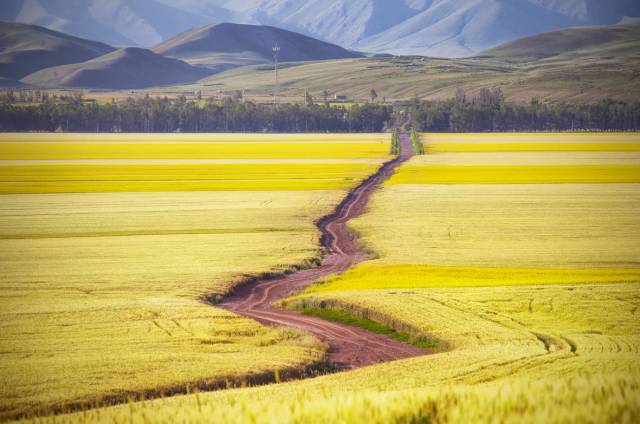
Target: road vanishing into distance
349 347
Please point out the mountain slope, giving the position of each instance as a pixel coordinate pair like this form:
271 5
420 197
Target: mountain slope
25 49
584 71
614 40
447 28
116 22
227 45
123 69
428 27
459 28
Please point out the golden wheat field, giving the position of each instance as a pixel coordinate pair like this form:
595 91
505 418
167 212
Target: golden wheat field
530 291
505 359
104 265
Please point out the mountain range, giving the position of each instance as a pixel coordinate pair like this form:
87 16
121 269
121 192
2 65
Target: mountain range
583 64
26 48
41 57
444 28
224 46
130 67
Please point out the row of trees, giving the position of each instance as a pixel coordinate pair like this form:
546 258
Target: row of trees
395 143
489 112
418 146
180 115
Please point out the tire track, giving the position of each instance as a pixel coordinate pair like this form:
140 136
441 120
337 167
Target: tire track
349 347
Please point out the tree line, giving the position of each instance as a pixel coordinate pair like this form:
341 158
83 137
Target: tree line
488 111
73 114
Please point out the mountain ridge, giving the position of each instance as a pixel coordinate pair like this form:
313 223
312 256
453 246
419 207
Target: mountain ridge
445 28
126 68
25 49
228 45
582 72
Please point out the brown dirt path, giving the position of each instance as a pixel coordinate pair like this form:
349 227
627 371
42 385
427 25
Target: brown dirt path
349 347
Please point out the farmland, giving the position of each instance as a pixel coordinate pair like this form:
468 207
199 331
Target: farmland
107 254
497 367
530 292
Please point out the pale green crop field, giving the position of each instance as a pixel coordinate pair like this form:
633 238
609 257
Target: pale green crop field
104 264
530 291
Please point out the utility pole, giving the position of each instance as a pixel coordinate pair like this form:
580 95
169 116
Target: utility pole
276 53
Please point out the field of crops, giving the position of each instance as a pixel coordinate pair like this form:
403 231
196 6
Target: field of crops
530 292
106 254
565 354
531 142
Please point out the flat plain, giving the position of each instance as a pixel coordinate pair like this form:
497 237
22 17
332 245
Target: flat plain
105 264
529 292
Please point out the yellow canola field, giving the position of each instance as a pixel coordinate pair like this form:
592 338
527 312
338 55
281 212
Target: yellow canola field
531 142
527 158
521 174
103 292
529 290
25 179
172 138
537 137
377 276
556 266
199 150
533 147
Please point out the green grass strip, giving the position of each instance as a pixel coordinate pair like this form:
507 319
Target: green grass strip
367 324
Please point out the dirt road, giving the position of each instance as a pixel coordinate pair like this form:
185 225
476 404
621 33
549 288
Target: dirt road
349 347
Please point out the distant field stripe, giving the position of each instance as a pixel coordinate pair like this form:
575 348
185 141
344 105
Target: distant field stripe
120 142
149 232
531 147
527 174
515 138
160 186
527 158
370 276
60 173
143 162
59 151
189 138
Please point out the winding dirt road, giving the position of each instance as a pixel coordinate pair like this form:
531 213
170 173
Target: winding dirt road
349 347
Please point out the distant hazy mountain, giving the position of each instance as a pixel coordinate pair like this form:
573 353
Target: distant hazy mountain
430 27
116 22
25 49
122 69
227 45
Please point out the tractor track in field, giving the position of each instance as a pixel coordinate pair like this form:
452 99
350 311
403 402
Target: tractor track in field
349 347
